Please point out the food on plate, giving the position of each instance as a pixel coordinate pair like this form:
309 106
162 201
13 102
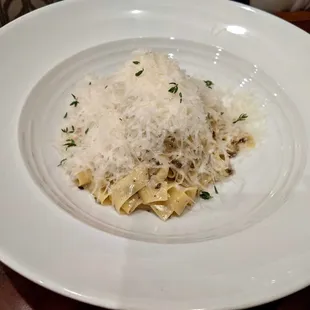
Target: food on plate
152 137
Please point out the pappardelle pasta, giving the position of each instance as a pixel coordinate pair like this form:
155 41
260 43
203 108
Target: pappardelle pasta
150 137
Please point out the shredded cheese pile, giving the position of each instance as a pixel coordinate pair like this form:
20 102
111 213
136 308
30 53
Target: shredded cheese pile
152 112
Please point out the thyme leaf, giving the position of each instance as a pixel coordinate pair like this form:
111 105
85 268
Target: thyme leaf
215 189
139 72
205 195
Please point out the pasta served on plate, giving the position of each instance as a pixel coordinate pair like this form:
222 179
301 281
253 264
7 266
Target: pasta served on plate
151 137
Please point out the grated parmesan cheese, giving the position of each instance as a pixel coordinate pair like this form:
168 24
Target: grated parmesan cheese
131 117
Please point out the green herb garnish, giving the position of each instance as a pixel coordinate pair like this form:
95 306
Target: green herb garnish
205 195
72 130
242 117
65 116
181 97
174 89
139 72
61 162
70 143
209 84
65 130
75 102
86 131
215 189
89 83
136 62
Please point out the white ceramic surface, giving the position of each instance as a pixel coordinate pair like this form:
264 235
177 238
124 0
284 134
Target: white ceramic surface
224 256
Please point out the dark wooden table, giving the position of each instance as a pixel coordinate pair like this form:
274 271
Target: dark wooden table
18 293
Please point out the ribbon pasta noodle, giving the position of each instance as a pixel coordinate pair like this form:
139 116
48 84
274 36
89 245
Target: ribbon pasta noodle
152 138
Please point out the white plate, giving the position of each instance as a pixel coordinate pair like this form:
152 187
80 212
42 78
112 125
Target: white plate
247 247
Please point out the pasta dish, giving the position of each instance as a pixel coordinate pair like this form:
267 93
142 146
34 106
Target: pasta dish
151 137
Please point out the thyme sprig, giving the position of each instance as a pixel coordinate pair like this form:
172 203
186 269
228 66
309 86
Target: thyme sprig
174 89
75 102
181 97
69 143
209 84
241 118
61 162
